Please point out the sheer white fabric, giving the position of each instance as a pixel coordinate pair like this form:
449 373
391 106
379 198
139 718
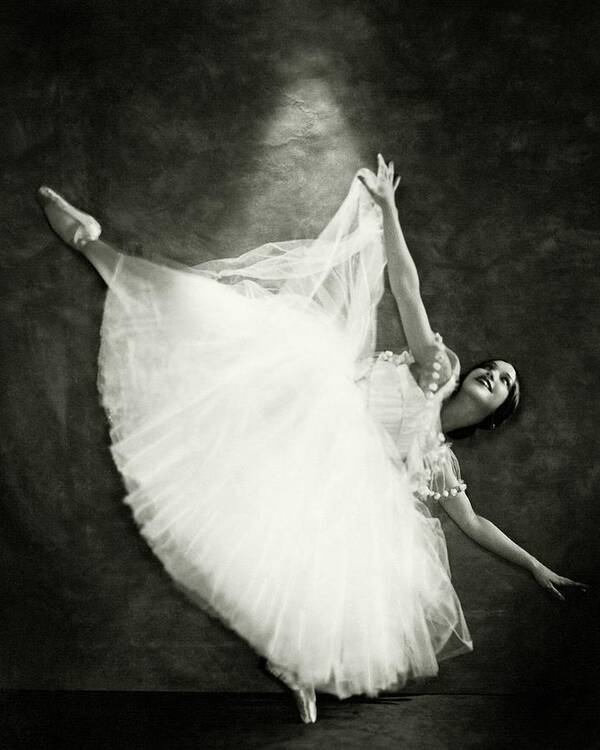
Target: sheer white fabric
243 400
340 274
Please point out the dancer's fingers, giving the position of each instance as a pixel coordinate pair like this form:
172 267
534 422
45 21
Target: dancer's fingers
553 590
577 584
396 183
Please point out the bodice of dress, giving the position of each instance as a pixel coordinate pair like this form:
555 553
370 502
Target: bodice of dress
409 415
396 402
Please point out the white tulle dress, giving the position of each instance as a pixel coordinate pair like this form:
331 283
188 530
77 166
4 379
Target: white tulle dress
279 468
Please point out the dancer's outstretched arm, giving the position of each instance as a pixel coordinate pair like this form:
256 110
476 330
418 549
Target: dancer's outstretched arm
488 535
404 279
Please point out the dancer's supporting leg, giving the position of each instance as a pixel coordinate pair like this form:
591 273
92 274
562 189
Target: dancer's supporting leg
305 697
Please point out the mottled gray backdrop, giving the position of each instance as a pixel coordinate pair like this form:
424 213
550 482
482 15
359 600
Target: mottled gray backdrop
201 129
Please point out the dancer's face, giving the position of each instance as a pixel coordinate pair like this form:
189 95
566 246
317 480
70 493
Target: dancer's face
489 385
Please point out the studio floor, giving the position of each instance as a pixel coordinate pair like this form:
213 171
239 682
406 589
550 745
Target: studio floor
90 720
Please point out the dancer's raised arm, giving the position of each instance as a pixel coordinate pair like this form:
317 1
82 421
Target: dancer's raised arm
404 279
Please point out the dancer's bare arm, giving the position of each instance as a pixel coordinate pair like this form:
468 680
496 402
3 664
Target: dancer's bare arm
404 279
488 535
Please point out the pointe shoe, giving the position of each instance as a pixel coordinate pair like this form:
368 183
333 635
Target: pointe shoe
81 230
306 702
305 697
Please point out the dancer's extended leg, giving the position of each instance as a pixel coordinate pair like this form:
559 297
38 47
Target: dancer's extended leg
80 231
75 227
104 257
187 301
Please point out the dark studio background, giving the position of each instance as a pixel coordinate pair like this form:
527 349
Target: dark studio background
201 129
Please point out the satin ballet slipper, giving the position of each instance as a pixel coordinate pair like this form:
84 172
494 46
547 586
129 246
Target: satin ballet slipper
82 228
305 697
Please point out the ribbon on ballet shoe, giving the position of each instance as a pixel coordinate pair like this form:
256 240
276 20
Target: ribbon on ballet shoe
83 235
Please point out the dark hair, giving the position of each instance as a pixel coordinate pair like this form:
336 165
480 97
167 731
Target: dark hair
496 418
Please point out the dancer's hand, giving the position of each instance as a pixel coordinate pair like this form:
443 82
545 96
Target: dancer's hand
549 580
381 187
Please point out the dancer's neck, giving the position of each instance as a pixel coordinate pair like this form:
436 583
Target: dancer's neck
460 411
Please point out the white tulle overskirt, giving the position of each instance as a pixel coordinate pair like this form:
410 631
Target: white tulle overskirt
259 477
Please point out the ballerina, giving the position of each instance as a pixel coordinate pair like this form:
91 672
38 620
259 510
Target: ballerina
282 470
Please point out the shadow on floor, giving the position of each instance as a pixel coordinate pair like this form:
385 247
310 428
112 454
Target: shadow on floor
90 720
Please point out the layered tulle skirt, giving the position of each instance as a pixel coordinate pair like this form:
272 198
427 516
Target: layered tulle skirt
261 481
240 423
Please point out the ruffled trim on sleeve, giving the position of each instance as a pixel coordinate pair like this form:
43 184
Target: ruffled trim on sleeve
446 479
439 475
439 372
